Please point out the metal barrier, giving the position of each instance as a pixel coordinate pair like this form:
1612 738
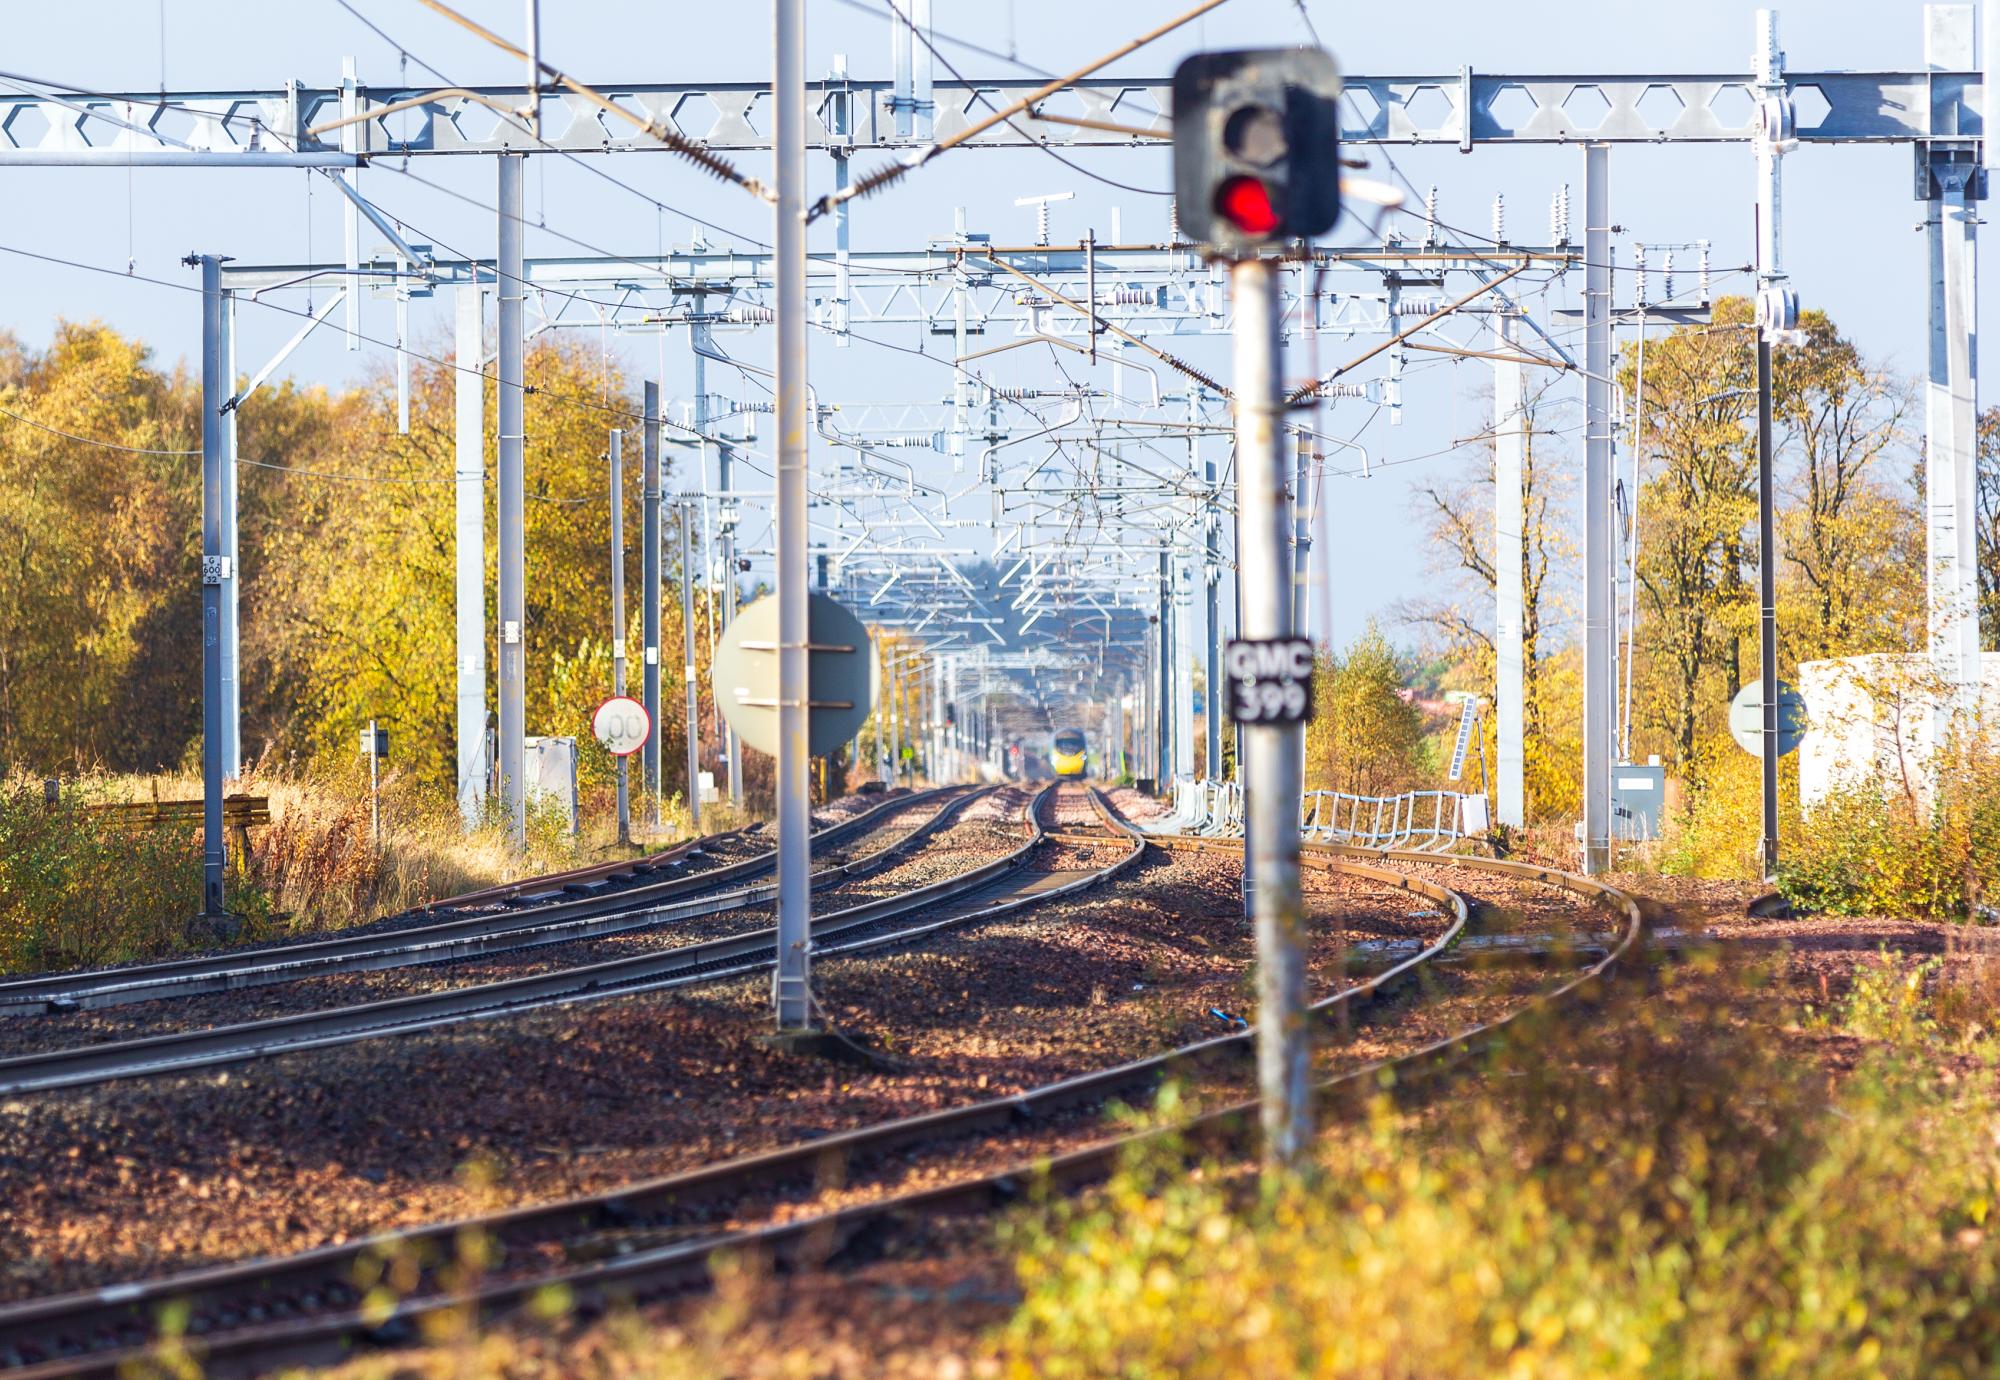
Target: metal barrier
1424 821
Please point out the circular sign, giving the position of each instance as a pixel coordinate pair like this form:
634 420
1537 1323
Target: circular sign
1746 718
622 724
841 670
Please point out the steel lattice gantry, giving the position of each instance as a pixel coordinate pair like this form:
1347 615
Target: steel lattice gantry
1936 110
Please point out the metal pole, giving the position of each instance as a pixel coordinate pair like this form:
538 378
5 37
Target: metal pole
1767 599
512 506
1510 427
469 549
1600 700
1163 718
1271 842
726 515
617 461
232 684
374 788
215 387
649 598
534 68
1212 613
1301 537
790 992
1952 185
892 769
688 669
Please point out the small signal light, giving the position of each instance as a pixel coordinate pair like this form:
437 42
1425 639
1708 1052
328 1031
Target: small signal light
1245 202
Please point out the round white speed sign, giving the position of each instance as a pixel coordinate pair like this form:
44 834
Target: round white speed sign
622 724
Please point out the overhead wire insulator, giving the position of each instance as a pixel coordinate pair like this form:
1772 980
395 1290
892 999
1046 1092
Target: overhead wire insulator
751 315
1416 306
1127 297
1667 278
1431 217
1499 218
1704 299
1559 225
1639 275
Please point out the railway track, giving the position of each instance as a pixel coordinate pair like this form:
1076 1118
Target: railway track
580 904
657 1237
994 888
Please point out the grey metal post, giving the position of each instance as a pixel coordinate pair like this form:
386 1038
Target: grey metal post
1212 610
1952 183
232 581
617 463
1600 700
1510 424
1163 718
1302 537
1767 601
374 788
1271 833
1184 655
649 599
215 387
726 512
790 990
892 769
688 668
512 506
469 548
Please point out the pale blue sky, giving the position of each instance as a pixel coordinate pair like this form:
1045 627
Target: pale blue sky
1852 244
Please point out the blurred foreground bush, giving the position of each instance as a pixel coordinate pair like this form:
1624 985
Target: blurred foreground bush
1664 1194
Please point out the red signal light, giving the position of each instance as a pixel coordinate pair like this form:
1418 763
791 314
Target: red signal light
1246 203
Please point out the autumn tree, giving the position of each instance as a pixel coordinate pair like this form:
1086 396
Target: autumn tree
1365 737
1697 510
1846 525
100 490
1458 516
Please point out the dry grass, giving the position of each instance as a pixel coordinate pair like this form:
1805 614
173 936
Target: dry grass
79 889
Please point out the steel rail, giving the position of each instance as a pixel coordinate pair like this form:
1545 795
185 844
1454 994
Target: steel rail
463 936
260 1305
820 1237
704 961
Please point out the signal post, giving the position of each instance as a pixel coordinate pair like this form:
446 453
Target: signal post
1256 168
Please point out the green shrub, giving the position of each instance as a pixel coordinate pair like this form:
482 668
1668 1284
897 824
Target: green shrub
1870 852
78 887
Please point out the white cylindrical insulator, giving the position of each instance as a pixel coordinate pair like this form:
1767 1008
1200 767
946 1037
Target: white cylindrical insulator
750 315
1667 279
1639 274
1431 215
1416 306
1173 222
1126 297
1499 218
1704 273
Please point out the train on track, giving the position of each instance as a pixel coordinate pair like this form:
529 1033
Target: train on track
1069 754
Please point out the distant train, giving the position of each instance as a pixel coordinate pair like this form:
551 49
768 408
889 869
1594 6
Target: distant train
1067 753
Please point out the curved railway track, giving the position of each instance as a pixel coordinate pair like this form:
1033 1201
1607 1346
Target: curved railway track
992 889
601 909
657 1237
